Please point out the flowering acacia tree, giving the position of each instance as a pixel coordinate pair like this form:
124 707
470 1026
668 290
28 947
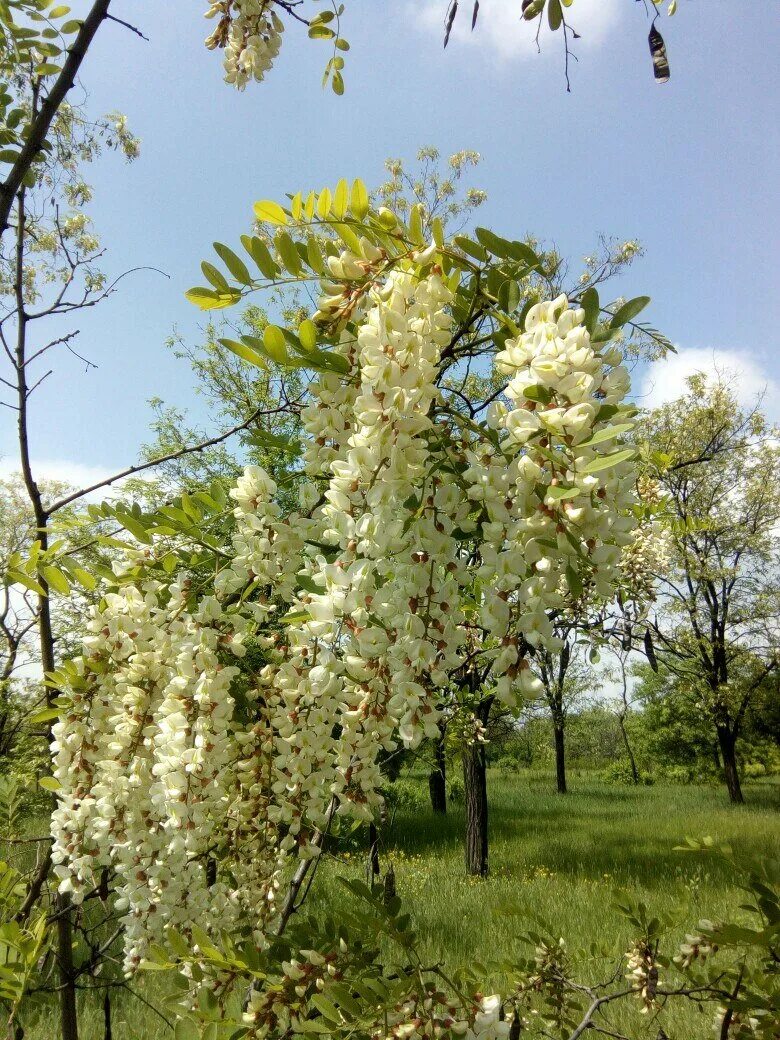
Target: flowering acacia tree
435 537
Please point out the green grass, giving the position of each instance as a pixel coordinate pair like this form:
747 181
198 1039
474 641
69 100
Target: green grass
555 858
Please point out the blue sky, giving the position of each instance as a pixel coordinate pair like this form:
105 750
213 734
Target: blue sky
689 168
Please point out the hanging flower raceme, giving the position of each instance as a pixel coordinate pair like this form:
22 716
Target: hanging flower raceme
426 547
250 32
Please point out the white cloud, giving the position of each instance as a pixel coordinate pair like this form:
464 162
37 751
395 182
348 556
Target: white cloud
75 474
665 380
501 32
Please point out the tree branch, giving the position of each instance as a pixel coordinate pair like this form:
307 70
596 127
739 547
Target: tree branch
40 125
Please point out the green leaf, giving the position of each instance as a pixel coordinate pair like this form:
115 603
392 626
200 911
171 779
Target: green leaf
17 577
554 14
498 246
628 311
326 1009
234 264
245 352
574 581
215 276
539 393
559 493
472 249
49 783
606 434
274 343
270 212
134 527
261 255
608 461
288 253
592 307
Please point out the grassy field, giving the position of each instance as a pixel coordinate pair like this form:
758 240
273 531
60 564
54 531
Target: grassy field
559 859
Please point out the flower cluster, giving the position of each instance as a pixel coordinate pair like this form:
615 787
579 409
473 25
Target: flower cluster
422 543
250 32
642 973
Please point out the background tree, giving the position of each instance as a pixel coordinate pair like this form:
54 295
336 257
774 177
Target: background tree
566 678
716 624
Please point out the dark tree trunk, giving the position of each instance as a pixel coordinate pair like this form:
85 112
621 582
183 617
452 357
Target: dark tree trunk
373 852
560 755
629 750
475 795
437 779
728 741
716 756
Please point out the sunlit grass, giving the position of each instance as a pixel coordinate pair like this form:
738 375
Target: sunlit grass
553 859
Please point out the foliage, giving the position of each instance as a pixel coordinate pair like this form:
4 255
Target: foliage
715 627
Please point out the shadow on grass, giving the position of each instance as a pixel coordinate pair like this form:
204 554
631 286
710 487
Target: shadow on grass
598 830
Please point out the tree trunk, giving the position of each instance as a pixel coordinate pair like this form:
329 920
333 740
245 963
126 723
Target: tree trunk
475 794
728 742
437 779
560 756
373 853
629 750
64 928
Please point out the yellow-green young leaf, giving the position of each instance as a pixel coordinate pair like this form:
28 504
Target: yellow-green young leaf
270 212
323 202
296 206
307 334
348 237
234 263
358 202
59 12
288 253
415 225
45 715
340 200
606 434
134 527
245 353
310 206
20 578
261 255
47 68
84 578
437 229
49 783
337 83
607 461
273 341
55 579
206 299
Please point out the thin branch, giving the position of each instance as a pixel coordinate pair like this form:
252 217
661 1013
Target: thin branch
142 466
127 25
